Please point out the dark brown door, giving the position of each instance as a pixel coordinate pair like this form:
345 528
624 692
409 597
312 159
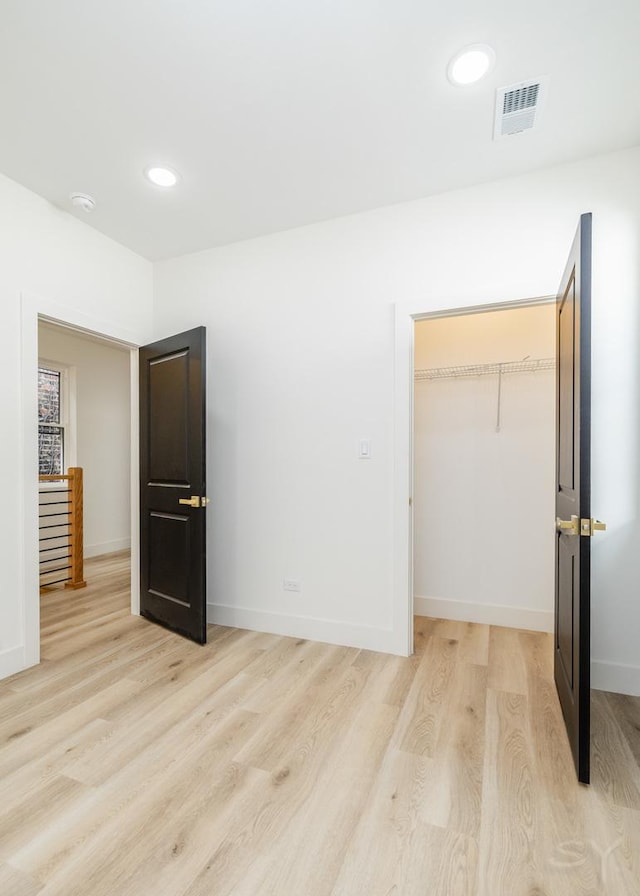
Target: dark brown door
573 497
173 484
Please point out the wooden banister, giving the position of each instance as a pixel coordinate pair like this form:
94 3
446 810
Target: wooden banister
74 534
76 538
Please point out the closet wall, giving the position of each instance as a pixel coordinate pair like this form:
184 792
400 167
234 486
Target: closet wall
484 500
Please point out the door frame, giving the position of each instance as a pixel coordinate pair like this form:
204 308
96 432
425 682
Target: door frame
33 309
406 315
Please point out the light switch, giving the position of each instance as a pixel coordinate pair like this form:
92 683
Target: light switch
365 449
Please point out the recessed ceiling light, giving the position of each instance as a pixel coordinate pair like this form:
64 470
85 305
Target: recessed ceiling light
471 64
162 177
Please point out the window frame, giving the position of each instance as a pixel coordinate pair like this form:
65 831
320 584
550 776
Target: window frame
67 412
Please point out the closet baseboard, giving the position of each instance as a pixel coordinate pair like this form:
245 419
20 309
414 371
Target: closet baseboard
485 614
616 677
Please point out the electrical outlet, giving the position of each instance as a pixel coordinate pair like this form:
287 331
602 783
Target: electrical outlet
291 584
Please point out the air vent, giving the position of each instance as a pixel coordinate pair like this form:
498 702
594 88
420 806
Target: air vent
518 107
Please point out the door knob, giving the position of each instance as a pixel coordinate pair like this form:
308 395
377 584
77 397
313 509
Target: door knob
569 527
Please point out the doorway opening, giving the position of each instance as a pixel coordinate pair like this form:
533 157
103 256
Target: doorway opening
84 421
35 309
483 467
406 316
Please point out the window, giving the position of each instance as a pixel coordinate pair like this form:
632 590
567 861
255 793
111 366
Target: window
54 448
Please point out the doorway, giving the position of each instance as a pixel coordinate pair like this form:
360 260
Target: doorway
406 315
84 411
484 462
33 310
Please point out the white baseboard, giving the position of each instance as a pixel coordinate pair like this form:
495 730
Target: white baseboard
616 677
486 614
329 631
107 547
12 660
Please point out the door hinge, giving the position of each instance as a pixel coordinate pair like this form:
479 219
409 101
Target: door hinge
588 528
576 526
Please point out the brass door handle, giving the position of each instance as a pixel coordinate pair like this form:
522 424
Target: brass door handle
193 501
569 527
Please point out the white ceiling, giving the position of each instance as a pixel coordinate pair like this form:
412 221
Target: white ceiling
283 113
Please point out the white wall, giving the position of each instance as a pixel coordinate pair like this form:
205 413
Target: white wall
46 253
103 433
484 499
301 367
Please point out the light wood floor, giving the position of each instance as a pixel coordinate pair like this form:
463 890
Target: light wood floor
134 763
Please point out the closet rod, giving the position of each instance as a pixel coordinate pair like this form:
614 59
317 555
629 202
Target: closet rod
527 365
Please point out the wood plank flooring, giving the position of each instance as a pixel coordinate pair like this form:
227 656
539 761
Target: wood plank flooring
134 763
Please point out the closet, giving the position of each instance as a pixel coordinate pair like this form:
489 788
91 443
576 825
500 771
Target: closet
484 460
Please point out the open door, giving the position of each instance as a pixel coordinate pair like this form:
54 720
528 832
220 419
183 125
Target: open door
173 484
572 643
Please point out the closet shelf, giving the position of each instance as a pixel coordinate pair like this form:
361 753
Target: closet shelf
528 365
